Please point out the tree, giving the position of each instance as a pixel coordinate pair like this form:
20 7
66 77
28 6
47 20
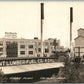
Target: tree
71 73
55 45
77 62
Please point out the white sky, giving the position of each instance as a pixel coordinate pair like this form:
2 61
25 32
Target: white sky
24 18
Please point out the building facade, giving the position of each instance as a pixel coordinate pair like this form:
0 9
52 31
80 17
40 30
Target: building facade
79 43
28 47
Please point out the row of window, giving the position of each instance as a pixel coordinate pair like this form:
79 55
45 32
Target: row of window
30 46
31 52
23 52
39 49
23 46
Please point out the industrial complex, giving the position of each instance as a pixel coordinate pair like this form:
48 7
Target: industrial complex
11 46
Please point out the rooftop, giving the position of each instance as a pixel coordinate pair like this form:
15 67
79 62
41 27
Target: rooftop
80 29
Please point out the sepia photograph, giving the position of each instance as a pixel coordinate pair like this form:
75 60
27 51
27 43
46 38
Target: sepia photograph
41 41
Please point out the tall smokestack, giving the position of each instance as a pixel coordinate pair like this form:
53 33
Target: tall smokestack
42 10
71 14
42 17
71 20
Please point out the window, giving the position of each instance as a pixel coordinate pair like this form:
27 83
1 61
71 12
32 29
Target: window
22 46
46 50
51 43
1 49
38 55
30 46
8 42
30 52
83 56
53 51
1 43
39 43
1 54
39 49
22 52
45 55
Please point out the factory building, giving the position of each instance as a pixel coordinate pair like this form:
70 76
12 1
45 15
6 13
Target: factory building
19 47
14 47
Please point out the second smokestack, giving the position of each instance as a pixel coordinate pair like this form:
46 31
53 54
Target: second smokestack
42 18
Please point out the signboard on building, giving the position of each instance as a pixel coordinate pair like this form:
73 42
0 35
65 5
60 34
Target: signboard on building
11 35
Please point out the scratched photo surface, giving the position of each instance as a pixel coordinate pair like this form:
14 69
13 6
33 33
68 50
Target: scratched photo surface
41 41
